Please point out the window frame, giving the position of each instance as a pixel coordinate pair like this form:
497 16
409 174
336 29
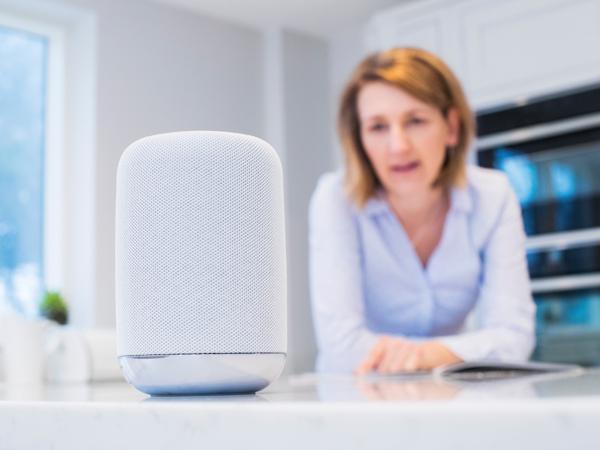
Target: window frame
70 248
53 214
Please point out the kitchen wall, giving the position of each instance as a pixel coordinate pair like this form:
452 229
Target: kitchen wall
308 154
346 49
153 77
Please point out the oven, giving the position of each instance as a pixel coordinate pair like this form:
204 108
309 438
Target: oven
550 149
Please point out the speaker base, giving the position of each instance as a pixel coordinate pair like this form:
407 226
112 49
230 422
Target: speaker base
202 374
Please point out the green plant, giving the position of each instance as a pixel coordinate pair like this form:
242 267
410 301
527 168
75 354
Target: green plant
54 307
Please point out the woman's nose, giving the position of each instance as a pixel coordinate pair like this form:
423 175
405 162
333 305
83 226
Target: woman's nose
398 140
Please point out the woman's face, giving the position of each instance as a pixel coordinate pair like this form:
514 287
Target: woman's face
404 138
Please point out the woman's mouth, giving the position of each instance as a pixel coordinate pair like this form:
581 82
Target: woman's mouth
404 168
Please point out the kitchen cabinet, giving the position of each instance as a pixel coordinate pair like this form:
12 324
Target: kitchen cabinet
505 51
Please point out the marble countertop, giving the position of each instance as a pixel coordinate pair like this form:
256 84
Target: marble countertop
312 411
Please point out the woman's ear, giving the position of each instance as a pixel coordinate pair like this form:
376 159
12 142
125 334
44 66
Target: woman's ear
453 122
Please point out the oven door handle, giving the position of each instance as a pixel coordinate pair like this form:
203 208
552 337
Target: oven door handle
563 240
518 135
565 283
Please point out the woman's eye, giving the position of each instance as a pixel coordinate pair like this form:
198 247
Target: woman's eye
377 127
415 121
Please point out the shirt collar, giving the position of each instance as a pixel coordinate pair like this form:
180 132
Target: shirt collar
461 200
376 205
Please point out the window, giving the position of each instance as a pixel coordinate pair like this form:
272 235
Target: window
23 85
52 245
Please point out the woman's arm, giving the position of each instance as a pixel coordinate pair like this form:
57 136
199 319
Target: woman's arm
506 309
335 279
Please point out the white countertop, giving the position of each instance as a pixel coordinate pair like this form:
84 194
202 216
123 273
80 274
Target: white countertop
309 412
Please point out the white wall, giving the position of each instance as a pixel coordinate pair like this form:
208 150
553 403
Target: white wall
308 155
298 125
346 50
159 70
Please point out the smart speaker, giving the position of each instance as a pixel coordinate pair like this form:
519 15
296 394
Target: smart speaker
200 264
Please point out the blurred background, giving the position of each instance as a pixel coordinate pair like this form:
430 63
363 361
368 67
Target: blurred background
82 79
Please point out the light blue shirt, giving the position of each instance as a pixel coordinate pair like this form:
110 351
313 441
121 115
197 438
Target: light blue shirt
367 280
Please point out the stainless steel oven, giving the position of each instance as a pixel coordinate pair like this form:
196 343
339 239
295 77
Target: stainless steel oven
550 149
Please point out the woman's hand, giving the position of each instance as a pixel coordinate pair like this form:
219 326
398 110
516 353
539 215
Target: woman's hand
392 354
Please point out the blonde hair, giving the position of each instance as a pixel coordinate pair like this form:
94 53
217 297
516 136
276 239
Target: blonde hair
422 75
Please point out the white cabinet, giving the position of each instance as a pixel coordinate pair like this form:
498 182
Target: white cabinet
503 51
429 25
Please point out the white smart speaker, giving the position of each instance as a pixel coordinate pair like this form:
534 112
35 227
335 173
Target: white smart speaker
200 264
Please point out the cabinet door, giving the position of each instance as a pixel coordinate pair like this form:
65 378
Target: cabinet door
429 25
514 49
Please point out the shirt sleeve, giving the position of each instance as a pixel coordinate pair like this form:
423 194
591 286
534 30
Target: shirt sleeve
506 311
335 280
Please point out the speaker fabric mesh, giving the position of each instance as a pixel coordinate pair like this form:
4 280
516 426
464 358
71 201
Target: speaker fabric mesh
200 246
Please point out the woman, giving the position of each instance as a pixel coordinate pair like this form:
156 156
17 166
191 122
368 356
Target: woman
408 239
